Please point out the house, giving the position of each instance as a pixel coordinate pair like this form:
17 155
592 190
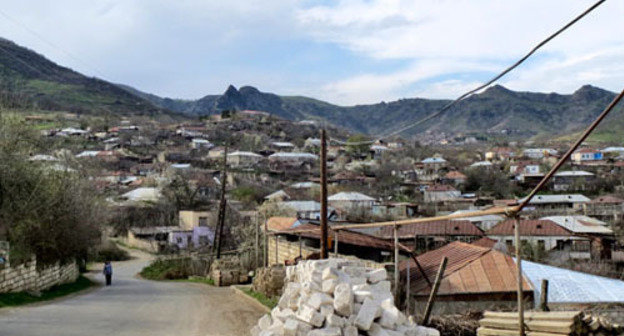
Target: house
434 164
484 222
350 200
605 208
481 165
304 209
283 146
377 151
454 177
613 152
539 153
242 159
294 160
601 236
395 209
198 237
312 144
199 143
431 235
500 154
543 234
440 192
586 154
189 219
348 177
281 223
572 180
476 278
524 167
556 203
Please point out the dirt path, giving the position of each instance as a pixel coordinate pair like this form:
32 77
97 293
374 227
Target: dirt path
135 307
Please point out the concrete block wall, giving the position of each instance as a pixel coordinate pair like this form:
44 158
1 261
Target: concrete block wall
290 250
26 277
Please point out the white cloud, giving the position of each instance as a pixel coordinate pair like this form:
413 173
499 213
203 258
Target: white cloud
481 32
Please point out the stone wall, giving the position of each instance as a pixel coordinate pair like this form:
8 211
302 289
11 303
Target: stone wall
26 277
286 250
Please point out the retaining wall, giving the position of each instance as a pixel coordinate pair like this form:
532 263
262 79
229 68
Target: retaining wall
26 277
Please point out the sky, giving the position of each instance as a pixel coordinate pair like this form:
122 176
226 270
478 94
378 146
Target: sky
345 52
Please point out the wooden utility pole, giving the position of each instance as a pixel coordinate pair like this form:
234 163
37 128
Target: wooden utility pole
434 291
257 242
544 296
266 243
324 235
335 243
396 263
407 289
222 205
519 276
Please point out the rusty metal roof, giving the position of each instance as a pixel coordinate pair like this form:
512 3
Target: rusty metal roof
470 270
436 228
280 223
537 227
485 242
344 237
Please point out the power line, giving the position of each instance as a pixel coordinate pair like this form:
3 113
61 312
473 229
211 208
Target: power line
53 45
480 87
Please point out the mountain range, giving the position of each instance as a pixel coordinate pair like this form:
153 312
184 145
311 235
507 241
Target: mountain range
29 80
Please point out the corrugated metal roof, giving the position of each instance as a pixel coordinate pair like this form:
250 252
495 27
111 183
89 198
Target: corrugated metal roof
540 227
485 242
281 223
544 199
607 200
581 224
349 196
471 269
344 237
566 286
436 228
574 173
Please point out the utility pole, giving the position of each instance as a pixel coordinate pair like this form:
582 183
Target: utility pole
323 195
519 275
222 205
257 242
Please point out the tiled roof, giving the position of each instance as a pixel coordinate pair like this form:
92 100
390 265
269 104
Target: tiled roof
280 223
470 270
436 228
344 237
454 175
485 242
529 228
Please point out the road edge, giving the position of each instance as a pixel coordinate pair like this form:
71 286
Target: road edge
250 299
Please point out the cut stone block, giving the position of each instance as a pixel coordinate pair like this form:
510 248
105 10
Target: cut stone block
329 285
377 275
290 327
367 314
318 299
334 320
350 331
326 332
265 322
343 299
310 315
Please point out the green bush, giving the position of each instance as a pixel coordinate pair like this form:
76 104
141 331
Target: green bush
163 269
109 253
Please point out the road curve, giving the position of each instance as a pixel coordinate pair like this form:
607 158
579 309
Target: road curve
135 307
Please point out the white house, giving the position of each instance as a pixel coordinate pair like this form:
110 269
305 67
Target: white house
351 200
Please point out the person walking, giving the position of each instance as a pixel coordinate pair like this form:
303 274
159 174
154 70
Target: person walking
108 272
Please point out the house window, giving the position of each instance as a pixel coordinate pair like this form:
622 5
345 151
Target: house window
203 240
541 245
581 246
509 243
203 221
179 240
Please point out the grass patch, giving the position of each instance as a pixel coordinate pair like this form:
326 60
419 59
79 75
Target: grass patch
22 298
267 301
162 269
195 279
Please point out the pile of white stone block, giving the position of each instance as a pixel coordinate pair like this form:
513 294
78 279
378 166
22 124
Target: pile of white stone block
337 297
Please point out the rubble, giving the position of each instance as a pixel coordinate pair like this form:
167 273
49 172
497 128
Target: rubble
337 297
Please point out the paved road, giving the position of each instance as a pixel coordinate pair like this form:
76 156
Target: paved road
133 307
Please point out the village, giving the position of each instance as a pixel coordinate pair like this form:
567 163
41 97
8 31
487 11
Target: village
165 185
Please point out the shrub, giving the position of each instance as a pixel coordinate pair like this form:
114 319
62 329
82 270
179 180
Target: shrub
110 252
163 269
